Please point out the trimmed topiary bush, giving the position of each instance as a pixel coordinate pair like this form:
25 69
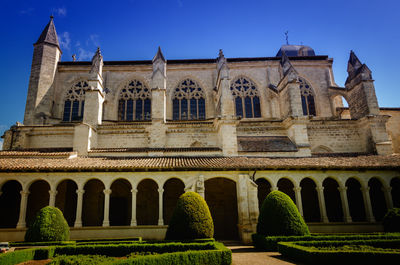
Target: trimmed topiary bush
391 221
49 225
279 217
191 218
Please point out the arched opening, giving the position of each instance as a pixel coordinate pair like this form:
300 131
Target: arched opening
147 203
378 203
309 199
93 203
188 101
340 107
263 189
333 202
120 202
66 199
10 200
221 198
173 188
286 186
395 184
37 199
355 200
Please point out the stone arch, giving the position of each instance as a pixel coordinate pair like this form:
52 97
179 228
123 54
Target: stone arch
120 202
263 189
339 104
173 188
309 198
10 200
395 185
147 202
221 197
37 199
93 203
333 201
355 200
286 186
378 202
66 199
321 149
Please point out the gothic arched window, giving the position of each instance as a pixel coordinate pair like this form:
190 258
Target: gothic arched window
188 101
247 100
134 102
307 98
75 102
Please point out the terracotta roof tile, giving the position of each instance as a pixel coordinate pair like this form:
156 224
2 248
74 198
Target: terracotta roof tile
35 163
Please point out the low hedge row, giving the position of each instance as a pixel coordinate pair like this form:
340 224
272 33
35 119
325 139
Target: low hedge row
220 255
271 243
193 251
136 239
302 251
47 243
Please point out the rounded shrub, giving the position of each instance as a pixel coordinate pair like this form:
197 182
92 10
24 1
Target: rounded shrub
391 221
49 225
279 217
191 218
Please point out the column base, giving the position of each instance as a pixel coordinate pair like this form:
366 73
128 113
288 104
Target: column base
106 223
160 222
348 220
21 225
78 224
133 223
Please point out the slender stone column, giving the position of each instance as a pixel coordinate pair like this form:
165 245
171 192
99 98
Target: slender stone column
106 220
367 203
321 202
299 203
22 209
345 204
388 196
133 214
160 207
52 201
78 219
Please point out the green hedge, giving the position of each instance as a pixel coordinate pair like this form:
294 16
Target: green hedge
171 253
46 243
302 251
270 243
135 239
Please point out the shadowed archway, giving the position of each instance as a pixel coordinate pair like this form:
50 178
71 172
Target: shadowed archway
120 203
66 199
37 199
395 185
93 203
10 200
263 189
309 199
220 195
147 203
286 186
173 188
378 203
332 200
355 200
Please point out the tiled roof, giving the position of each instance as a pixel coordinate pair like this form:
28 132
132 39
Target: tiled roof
10 164
145 149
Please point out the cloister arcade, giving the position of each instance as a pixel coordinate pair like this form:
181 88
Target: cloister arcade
137 199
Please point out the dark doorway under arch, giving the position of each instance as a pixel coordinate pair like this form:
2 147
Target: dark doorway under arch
333 201
66 199
37 199
395 184
120 203
93 203
263 189
221 198
355 200
173 188
286 186
309 198
147 203
378 202
10 200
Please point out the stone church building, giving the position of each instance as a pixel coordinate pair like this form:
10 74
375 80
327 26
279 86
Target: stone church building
113 144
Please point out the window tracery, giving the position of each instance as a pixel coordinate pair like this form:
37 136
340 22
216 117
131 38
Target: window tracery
134 102
307 98
247 99
75 102
188 101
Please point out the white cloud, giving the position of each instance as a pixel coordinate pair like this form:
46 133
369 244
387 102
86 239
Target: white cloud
65 40
84 54
60 11
27 11
93 39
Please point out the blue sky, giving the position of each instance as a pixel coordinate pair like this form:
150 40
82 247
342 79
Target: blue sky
133 29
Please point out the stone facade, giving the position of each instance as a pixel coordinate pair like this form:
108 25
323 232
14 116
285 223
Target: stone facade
266 107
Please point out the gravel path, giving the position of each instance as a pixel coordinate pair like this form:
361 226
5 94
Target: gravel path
247 255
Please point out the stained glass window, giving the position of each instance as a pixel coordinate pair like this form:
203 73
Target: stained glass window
188 101
134 102
307 98
75 102
247 101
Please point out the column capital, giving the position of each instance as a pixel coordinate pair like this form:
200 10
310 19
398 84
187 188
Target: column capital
297 189
107 191
274 188
80 191
161 190
134 190
319 188
386 188
24 193
53 192
364 189
342 189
